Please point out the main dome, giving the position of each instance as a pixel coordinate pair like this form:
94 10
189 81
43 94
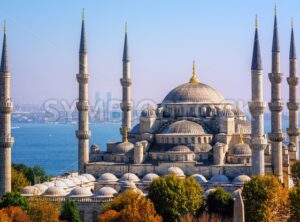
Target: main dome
194 93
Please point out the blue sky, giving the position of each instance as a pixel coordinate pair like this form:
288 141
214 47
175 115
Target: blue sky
164 38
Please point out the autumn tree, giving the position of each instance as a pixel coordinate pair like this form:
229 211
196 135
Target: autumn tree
265 200
294 197
14 199
41 210
69 211
129 206
174 197
220 202
13 214
18 180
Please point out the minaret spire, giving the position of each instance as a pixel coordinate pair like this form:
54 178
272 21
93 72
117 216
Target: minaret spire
6 107
83 133
257 107
126 105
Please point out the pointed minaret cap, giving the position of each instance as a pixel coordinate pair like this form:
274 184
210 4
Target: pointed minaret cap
83 46
4 58
275 44
256 57
125 50
194 78
292 44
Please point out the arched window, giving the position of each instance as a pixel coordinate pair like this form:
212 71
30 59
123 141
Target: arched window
179 140
186 140
199 139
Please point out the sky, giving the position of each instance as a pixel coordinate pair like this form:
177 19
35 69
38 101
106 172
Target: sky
164 38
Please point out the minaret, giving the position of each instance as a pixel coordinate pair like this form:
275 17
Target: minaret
257 107
6 107
126 105
276 135
293 105
83 134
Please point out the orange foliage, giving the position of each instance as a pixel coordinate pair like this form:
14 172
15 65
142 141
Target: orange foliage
13 214
44 210
109 216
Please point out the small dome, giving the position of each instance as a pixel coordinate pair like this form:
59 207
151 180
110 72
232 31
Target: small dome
48 184
219 179
226 113
148 178
107 178
130 177
240 149
207 192
60 183
30 191
41 187
83 179
238 112
90 177
95 148
176 171
123 147
75 180
148 112
55 192
199 178
106 192
180 149
127 184
68 182
184 127
241 180
81 192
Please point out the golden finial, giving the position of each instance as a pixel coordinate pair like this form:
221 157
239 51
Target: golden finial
241 137
82 15
275 9
126 135
225 106
4 26
126 28
256 21
194 78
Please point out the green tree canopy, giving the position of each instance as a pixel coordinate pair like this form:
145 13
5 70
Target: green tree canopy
296 171
18 180
69 211
174 197
294 197
14 199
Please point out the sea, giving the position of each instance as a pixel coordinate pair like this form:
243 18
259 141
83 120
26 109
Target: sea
54 146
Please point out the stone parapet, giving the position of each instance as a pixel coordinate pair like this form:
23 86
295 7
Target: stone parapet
82 105
275 77
292 106
82 78
292 81
276 106
257 107
293 131
276 136
6 141
6 106
126 82
83 134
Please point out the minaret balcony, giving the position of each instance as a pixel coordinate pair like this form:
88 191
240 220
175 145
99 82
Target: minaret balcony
82 78
83 105
292 81
276 106
293 131
83 134
6 106
257 107
126 106
126 82
275 77
6 141
293 106
276 137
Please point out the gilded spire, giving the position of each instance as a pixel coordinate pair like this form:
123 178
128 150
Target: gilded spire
275 45
4 59
83 46
125 50
256 57
292 44
194 78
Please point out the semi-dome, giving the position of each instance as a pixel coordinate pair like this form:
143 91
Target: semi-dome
180 149
105 192
81 192
90 177
30 191
240 149
193 93
123 147
41 187
129 177
107 178
55 192
219 179
199 178
241 180
176 171
148 178
184 127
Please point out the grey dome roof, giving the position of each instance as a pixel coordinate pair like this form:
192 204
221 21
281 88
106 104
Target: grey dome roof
48 184
68 182
127 184
81 192
184 127
41 187
241 179
194 93
129 177
176 171
123 147
219 179
75 180
55 192
148 112
90 177
30 191
148 178
207 192
83 179
199 178
240 149
180 149
60 183
105 192
107 178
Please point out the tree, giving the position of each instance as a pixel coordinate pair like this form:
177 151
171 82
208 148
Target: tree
40 174
296 171
174 197
14 199
265 200
13 214
294 197
18 180
44 210
34 175
69 211
129 206
220 202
